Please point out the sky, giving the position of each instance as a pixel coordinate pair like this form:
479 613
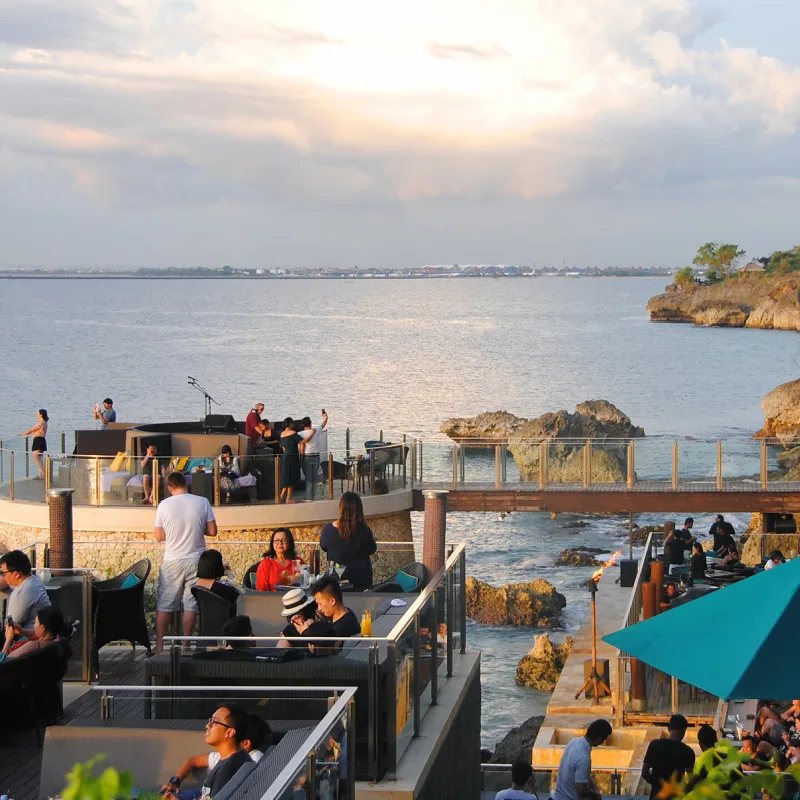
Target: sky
357 132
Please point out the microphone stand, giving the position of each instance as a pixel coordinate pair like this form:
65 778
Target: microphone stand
208 400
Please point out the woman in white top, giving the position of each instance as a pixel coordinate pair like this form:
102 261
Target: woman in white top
39 446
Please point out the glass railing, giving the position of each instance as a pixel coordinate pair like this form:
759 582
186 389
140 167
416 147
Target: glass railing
656 463
307 734
398 670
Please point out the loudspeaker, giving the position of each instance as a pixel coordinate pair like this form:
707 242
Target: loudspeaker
220 423
602 671
785 525
203 485
628 567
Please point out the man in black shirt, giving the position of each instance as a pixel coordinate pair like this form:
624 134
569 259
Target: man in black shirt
723 533
225 730
328 594
667 757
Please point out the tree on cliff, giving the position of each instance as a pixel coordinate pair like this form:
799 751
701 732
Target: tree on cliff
783 261
720 260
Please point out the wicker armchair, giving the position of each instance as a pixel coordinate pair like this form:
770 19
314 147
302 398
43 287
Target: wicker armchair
339 472
417 569
117 612
30 686
249 579
213 612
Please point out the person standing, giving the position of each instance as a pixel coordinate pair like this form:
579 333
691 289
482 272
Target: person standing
312 437
575 770
39 444
252 421
290 460
105 414
183 521
349 541
668 758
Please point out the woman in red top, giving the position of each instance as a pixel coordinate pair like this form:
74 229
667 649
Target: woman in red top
277 561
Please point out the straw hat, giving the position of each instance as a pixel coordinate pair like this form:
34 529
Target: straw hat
293 601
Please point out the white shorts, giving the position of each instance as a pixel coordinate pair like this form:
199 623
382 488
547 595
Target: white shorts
175 581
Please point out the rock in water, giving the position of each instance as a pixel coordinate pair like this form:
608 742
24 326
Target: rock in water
517 744
782 413
593 419
533 604
579 557
542 666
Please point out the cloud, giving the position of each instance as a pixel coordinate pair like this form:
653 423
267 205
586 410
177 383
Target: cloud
452 51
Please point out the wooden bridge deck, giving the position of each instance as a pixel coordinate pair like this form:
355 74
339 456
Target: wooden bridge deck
645 496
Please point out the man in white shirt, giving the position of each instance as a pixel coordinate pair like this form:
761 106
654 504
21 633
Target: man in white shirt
521 773
183 521
775 558
575 770
312 438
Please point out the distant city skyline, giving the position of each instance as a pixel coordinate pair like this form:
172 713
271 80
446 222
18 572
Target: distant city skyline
157 133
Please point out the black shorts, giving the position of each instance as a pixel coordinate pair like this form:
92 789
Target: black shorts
39 444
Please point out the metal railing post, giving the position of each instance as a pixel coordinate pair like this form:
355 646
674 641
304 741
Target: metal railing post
462 463
504 461
372 471
420 460
311 773
413 455
455 466
63 442
451 610
350 722
216 482
403 457
764 475
47 479
347 442
434 646
675 466
330 476
719 465
631 464
86 627
498 478
277 479
462 571
372 714
96 481
27 459
391 705
11 467
417 678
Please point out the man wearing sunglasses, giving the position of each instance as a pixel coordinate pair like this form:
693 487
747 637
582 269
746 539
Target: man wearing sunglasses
28 595
225 730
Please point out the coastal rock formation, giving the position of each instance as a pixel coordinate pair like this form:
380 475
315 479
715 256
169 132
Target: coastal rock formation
640 533
756 545
593 419
579 557
517 744
533 604
751 301
782 417
540 668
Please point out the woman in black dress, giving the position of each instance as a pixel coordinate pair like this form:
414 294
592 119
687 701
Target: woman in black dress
39 445
290 460
349 541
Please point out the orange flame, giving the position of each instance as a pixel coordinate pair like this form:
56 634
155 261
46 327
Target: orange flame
598 573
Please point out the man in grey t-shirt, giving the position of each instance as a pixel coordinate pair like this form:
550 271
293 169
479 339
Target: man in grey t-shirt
575 769
183 521
28 595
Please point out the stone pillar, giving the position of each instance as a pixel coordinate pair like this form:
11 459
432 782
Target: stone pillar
433 555
60 528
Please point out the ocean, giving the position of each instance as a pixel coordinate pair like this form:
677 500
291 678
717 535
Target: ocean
396 356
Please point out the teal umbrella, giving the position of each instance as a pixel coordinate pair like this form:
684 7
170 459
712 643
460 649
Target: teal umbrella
736 643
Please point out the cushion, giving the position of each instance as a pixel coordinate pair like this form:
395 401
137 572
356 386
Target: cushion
408 583
178 464
130 581
119 462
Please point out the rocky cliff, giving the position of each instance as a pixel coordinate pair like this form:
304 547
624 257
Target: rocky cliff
532 604
782 419
749 301
593 419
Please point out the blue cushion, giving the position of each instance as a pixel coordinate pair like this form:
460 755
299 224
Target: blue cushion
406 582
193 464
130 581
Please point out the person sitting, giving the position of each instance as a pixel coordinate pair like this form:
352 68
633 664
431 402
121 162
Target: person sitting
349 541
276 566
328 594
670 593
706 737
28 595
699 563
236 732
760 754
775 558
239 626
268 437
304 620
731 557
674 545
145 479
48 628
521 772
229 472
210 575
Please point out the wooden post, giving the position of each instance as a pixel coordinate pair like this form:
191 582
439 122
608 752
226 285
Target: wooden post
48 469
764 477
11 468
154 493
657 578
96 481
631 464
216 482
587 464
675 466
498 478
543 465
455 466
719 465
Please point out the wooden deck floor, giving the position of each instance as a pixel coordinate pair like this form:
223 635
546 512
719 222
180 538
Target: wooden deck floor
21 758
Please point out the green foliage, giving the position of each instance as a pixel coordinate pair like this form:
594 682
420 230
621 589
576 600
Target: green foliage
685 277
721 259
718 775
111 784
713 276
784 261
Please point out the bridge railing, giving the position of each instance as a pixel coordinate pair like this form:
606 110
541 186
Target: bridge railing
657 463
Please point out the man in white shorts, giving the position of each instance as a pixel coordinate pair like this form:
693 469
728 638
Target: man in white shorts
182 521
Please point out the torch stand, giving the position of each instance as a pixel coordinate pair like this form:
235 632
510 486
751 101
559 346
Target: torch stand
594 678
